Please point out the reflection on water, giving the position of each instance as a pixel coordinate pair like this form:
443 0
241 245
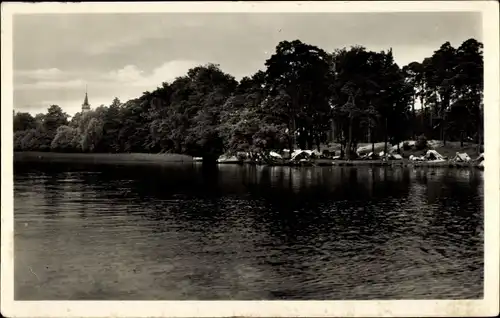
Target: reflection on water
232 232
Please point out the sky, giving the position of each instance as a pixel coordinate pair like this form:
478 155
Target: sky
123 55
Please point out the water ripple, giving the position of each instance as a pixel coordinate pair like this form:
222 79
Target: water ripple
247 233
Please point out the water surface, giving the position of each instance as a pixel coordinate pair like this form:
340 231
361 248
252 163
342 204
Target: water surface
178 232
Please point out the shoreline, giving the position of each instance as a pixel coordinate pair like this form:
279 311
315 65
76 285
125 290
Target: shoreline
370 163
111 158
33 156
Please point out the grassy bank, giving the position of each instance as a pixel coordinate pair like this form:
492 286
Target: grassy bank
100 157
449 150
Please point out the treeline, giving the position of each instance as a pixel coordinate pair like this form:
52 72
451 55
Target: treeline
305 98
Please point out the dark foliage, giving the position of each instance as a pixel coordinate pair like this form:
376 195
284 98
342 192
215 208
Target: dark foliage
304 98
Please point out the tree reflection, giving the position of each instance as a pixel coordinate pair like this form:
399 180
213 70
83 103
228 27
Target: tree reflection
302 230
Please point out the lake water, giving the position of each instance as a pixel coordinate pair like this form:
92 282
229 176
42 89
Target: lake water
176 232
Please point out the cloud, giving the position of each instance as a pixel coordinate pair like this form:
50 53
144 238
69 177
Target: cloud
55 86
132 75
40 85
99 48
50 78
128 74
171 70
40 74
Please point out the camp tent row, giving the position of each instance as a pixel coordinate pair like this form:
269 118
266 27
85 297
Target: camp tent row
302 155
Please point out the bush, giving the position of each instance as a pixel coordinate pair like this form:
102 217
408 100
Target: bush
421 143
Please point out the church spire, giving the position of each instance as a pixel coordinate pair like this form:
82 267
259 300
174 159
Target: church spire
85 105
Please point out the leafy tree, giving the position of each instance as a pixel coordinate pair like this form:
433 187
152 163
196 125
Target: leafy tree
449 85
414 78
54 118
30 140
301 97
469 86
66 140
23 121
111 118
303 73
91 135
211 88
357 93
253 121
440 74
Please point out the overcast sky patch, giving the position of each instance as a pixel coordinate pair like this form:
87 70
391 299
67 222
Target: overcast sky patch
123 55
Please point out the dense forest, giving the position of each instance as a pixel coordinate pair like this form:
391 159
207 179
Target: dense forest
304 98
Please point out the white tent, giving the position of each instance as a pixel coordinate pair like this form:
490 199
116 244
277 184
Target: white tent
275 155
299 154
416 158
481 161
433 155
396 156
462 157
